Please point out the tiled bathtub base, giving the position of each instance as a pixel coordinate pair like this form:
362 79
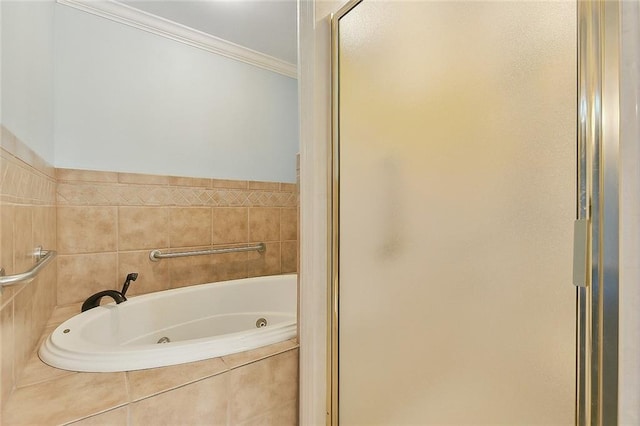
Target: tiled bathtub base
253 387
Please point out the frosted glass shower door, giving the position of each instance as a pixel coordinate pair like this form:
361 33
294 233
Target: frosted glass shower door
457 193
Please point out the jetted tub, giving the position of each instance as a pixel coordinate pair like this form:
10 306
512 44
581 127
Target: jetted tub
176 326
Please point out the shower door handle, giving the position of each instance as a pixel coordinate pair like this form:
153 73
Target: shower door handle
580 252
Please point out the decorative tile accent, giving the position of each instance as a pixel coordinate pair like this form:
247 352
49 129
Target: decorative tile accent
226 183
262 194
19 150
273 186
21 183
74 175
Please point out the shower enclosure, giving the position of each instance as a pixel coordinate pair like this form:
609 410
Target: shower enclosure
457 176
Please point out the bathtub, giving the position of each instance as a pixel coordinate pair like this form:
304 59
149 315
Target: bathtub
176 326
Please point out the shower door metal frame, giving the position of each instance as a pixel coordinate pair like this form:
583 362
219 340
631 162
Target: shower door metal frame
598 30
334 222
598 203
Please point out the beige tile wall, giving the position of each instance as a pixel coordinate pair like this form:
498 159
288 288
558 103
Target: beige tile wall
109 222
103 225
262 392
27 220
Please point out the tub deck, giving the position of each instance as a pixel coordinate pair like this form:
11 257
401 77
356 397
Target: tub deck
46 395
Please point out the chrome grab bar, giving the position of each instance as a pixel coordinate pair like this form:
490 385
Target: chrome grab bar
43 258
156 255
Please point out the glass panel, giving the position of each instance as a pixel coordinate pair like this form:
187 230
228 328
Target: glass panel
457 198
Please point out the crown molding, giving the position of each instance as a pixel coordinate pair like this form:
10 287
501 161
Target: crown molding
136 18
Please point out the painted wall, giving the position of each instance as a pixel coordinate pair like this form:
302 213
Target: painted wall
629 375
315 115
130 101
27 73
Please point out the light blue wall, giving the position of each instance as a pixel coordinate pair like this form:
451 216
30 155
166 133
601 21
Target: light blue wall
27 73
127 100
117 98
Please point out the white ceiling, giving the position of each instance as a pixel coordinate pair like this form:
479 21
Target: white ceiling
267 26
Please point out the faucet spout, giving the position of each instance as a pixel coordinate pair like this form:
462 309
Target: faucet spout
94 300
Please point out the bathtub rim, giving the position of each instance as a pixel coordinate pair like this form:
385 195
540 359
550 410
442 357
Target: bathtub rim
104 358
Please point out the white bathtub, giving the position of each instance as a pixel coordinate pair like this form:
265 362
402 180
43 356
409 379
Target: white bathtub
203 321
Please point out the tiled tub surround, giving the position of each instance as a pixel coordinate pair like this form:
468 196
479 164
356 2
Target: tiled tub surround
103 226
27 219
109 222
254 387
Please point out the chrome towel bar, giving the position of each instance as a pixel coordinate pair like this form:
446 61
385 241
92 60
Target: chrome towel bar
156 255
43 258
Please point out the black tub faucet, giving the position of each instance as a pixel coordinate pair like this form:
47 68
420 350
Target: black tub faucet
117 296
94 300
